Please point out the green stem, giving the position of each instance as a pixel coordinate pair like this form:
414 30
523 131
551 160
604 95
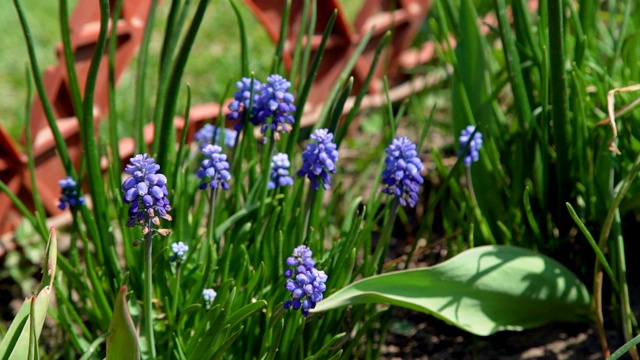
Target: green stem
625 303
211 236
266 171
74 256
176 290
307 213
559 111
477 213
470 185
381 249
148 287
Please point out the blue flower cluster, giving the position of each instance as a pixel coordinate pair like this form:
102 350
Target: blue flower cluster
209 134
308 284
472 155
146 191
179 250
402 173
208 295
319 158
70 195
214 169
280 171
273 105
242 99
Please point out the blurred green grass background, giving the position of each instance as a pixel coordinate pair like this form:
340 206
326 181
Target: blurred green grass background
213 65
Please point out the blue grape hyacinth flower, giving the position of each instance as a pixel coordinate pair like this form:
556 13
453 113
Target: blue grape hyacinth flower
214 169
208 295
70 195
179 251
209 134
401 176
475 144
319 159
241 101
280 171
146 191
305 283
275 103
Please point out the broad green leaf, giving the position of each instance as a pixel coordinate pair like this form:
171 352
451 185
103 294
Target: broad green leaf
22 334
122 342
482 290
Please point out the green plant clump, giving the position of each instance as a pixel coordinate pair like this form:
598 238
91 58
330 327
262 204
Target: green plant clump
261 239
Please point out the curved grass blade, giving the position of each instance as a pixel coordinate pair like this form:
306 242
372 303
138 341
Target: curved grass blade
342 132
244 48
625 348
140 103
336 114
167 130
302 97
69 58
61 145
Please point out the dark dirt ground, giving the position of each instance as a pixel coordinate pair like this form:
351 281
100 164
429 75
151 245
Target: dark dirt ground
414 335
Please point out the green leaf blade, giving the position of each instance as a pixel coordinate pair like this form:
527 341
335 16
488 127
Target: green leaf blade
122 342
482 290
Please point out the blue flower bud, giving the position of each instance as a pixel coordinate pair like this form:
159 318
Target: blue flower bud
475 144
309 284
70 194
318 159
145 190
401 176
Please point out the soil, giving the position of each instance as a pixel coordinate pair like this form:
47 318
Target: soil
418 336
415 335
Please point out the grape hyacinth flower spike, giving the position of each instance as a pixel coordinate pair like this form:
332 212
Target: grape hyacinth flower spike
70 194
275 103
179 251
475 144
319 159
146 191
280 171
305 283
242 100
214 169
209 134
401 176
208 295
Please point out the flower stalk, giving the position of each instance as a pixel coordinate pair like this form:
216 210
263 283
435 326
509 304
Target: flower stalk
148 287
